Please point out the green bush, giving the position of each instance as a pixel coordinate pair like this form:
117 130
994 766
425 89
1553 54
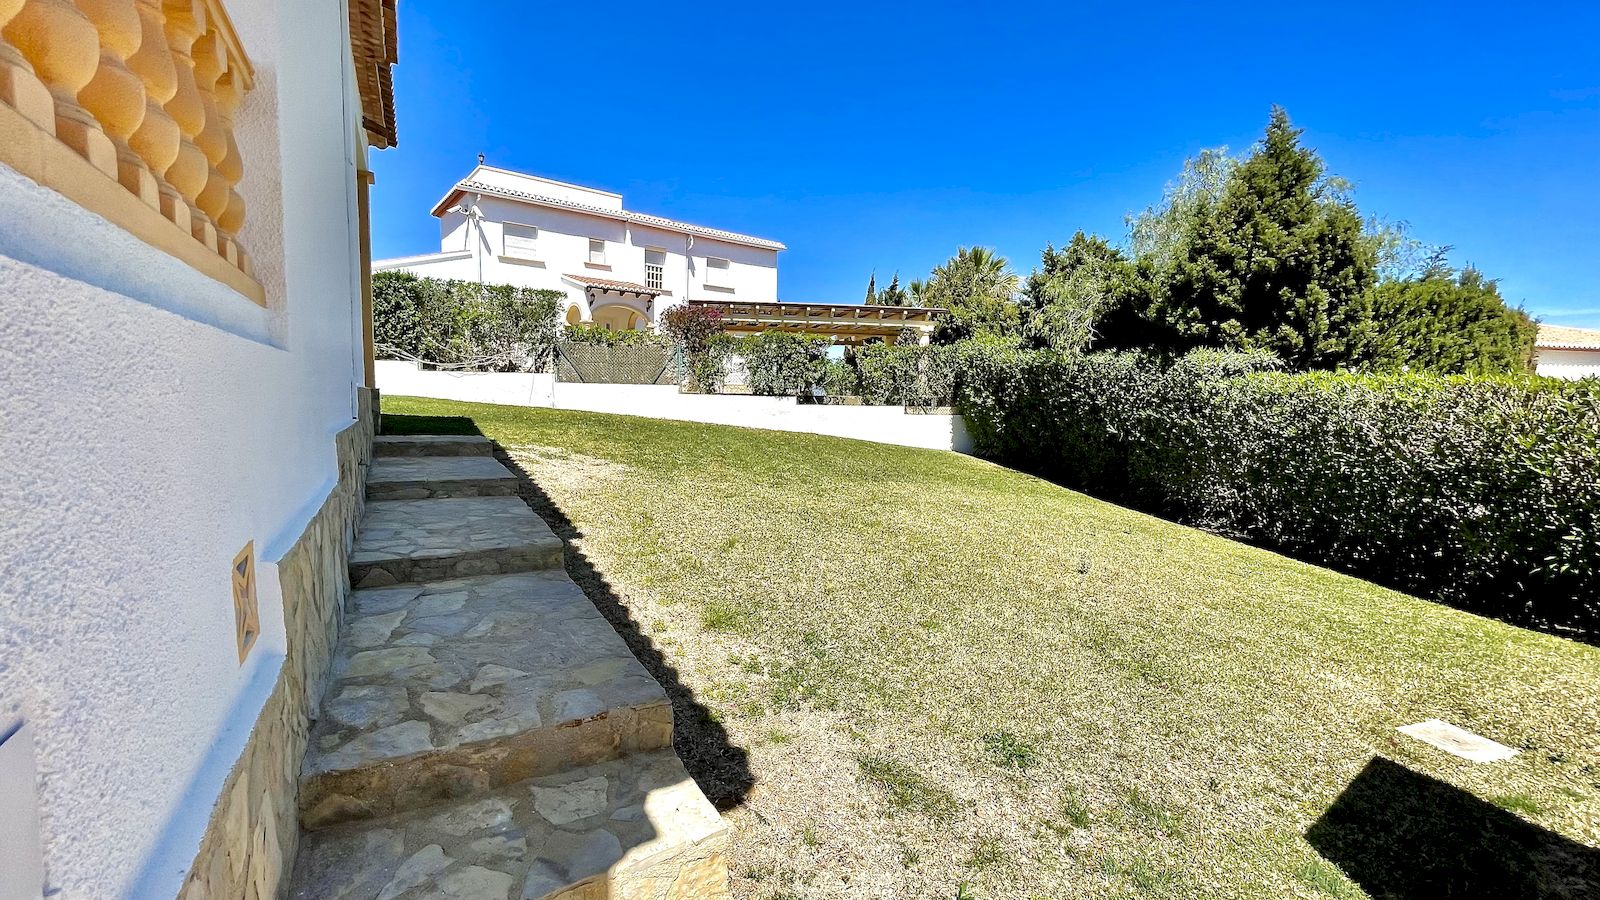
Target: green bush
784 364
612 337
907 374
1480 492
462 323
840 378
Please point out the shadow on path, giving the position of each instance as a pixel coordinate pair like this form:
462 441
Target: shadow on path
1403 835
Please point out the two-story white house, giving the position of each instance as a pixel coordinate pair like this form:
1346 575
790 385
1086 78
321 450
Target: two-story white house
619 268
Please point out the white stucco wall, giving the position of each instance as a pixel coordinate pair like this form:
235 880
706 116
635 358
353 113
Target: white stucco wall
1569 364
152 422
562 248
882 424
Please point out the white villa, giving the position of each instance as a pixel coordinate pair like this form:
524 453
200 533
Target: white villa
1565 352
619 269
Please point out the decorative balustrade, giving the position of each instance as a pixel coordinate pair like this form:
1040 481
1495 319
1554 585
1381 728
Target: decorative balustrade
144 92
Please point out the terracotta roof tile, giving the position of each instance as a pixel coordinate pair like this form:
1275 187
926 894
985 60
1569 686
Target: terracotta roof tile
1562 337
611 284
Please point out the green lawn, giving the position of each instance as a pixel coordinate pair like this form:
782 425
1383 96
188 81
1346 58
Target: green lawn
952 678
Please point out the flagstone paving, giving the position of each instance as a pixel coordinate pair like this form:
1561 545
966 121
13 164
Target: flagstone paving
424 477
432 445
485 733
425 540
493 679
638 821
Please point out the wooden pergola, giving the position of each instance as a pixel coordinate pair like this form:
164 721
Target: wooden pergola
850 324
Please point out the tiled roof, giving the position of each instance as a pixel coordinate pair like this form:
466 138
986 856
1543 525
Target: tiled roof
375 46
1562 337
611 284
731 237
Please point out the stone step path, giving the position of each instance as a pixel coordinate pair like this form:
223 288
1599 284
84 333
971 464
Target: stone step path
636 827
425 540
485 733
385 445
433 477
475 683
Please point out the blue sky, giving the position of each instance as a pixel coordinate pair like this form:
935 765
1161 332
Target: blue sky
871 137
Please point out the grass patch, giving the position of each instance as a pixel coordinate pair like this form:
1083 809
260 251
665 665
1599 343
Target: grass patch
1178 701
723 615
1521 804
905 790
1324 879
1009 751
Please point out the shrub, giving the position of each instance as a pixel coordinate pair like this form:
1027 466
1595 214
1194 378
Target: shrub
908 374
697 333
1481 492
840 378
463 324
784 364
612 337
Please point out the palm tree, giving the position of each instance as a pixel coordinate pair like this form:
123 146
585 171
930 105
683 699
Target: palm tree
979 289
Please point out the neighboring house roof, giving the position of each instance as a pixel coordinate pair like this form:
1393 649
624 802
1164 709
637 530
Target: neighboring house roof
375 46
621 287
623 215
1562 337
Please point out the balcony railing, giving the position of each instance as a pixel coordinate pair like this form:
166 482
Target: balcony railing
127 107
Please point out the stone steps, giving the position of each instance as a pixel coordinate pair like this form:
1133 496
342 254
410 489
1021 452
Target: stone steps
387 445
485 733
435 477
449 689
636 828
424 540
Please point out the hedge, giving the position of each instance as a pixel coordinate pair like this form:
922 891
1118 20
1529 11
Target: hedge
463 323
784 364
1480 492
908 374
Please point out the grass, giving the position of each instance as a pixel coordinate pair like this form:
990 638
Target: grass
958 678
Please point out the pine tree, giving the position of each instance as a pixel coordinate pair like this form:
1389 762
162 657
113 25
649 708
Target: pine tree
1452 324
1278 262
894 294
872 290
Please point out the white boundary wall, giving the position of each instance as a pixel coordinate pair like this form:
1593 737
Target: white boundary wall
882 424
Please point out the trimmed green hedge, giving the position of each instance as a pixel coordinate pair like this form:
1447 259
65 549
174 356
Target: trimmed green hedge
1480 492
908 374
784 364
462 323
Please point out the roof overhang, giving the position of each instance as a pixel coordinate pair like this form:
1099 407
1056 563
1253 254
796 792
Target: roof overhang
375 47
1565 337
613 286
619 215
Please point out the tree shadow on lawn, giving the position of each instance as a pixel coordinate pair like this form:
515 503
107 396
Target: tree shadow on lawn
718 766
1403 835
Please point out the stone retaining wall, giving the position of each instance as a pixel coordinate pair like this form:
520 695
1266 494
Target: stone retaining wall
250 842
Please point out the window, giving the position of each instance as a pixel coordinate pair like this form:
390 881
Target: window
655 269
520 241
718 273
597 252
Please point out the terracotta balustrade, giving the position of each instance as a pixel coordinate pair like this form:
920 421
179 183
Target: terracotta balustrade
145 92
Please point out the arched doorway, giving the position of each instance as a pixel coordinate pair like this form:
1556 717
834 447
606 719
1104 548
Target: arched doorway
617 318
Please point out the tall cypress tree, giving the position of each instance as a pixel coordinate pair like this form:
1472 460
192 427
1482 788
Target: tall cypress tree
1279 262
872 290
